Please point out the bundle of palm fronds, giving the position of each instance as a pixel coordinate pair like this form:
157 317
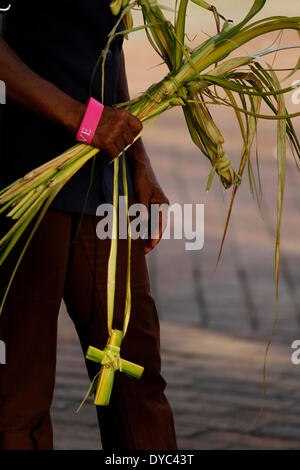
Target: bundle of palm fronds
194 78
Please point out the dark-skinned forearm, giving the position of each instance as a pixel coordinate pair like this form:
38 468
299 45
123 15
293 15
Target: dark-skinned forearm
117 128
30 90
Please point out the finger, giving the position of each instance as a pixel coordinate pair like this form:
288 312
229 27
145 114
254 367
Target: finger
163 221
157 232
147 249
135 124
159 217
113 151
150 245
144 199
128 136
120 144
159 226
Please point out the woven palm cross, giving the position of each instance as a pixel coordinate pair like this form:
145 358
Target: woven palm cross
111 362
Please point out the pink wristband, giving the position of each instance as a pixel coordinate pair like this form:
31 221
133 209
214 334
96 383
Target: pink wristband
90 121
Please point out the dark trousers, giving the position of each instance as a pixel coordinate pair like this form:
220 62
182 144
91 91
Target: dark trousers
139 415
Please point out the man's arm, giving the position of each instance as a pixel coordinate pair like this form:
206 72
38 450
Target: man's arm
116 129
146 185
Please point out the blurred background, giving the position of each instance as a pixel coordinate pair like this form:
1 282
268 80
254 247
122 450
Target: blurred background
215 324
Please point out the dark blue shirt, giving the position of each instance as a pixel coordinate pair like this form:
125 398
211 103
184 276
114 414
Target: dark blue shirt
61 41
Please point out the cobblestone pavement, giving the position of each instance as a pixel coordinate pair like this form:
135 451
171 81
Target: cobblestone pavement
215 325
214 387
